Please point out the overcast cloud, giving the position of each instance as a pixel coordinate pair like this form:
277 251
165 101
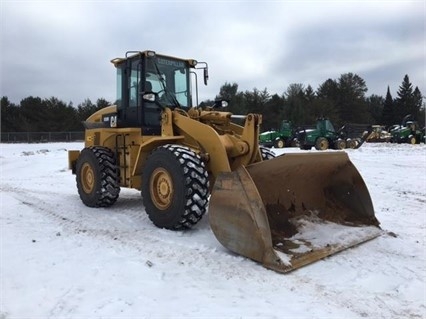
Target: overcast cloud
63 48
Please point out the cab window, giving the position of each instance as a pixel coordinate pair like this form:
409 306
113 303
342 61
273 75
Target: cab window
134 82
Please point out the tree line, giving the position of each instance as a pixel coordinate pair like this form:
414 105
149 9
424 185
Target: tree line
342 100
34 114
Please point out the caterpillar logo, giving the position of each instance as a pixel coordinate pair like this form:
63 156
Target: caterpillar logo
110 120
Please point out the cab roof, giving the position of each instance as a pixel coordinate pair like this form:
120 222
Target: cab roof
149 53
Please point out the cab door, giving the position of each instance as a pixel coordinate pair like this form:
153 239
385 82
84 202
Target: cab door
128 98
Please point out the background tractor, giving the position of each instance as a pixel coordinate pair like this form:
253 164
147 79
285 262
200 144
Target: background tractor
284 137
378 135
324 136
408 132
186 161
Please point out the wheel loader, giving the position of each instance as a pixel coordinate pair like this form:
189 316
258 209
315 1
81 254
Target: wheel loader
283 212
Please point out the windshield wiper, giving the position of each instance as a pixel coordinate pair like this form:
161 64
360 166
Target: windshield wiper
166 91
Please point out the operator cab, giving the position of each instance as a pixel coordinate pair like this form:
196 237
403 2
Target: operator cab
146 84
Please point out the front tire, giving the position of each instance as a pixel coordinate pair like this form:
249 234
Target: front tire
97 177
321 144
175 187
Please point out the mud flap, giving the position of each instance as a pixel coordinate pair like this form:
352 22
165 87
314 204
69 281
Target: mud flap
292 210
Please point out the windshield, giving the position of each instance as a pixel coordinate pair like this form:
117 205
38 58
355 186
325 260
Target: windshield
170 79
329 126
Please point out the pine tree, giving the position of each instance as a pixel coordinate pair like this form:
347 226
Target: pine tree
417 103
328 90
309 93
10 116
326 102
85 109
388 115
404 103
351 102
375 106
34 114
295 104
272 113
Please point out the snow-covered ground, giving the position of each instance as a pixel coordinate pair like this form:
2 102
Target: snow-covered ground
61 259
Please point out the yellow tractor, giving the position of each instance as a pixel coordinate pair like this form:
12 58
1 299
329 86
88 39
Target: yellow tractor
284 212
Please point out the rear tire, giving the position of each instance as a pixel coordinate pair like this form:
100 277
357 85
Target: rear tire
321 144
97 177
175 187
351 143
279 143
340 144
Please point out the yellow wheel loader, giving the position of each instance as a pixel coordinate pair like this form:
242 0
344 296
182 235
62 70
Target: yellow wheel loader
284 212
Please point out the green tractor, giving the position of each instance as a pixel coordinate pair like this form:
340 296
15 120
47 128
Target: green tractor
284 137
408 132
324 136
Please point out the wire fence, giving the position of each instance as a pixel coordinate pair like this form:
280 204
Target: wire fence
41 137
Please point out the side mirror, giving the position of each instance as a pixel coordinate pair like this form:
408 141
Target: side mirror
220 104
206 75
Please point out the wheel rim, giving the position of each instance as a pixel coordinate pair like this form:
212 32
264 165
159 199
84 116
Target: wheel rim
323 145
413 140
280 144
161 188
87 178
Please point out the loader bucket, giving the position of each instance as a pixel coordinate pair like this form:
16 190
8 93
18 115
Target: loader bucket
292 210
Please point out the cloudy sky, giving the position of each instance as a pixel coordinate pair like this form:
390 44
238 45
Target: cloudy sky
63 48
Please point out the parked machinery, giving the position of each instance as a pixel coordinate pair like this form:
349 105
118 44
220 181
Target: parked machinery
324 136
378 135
284 137
408 132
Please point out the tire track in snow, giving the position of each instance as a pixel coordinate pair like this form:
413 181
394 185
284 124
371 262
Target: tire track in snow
122 227
125 226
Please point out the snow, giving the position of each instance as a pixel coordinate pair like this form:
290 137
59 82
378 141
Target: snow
320 234
61 259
